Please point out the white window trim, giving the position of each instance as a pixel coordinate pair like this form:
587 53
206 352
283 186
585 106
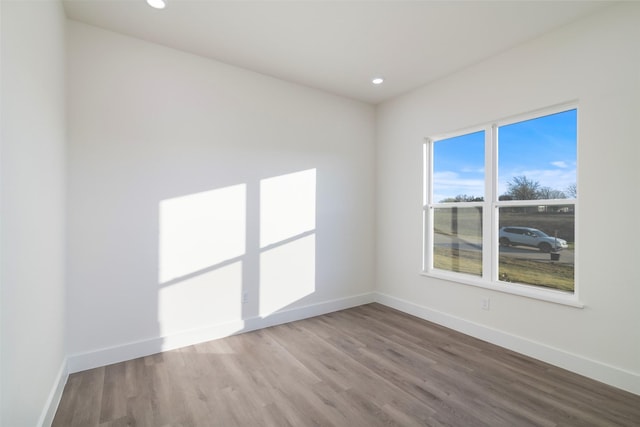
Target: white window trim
489 279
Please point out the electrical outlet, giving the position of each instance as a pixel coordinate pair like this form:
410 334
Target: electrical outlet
486 303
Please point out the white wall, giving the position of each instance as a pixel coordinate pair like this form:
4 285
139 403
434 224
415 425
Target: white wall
597 62
173 156
33 211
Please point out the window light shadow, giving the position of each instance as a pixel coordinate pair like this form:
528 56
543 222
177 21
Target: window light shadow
221 264
207 298
201 230
287 239
202 242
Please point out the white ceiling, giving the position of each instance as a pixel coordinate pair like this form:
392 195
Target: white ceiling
334 45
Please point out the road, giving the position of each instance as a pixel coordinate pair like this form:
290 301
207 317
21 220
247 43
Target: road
566 256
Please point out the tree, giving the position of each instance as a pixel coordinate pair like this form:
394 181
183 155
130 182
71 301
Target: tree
572 191
550 193
523 188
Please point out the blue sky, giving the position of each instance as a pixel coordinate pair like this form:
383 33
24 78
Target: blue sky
542 149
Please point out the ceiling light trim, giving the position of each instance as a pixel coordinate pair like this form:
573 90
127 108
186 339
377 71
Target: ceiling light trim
157 4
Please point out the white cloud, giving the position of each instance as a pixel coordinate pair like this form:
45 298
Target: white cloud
449 184
445 176
472 170
560 164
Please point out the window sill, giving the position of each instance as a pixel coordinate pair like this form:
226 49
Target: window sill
547 295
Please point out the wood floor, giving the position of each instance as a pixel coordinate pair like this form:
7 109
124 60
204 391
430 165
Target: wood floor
367 366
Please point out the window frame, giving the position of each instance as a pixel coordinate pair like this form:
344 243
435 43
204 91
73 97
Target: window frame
490 219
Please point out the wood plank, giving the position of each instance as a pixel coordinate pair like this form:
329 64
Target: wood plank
367 366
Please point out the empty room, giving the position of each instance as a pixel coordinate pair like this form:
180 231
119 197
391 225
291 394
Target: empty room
336 213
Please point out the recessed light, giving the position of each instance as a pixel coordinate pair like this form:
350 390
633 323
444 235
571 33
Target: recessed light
157 4
377 80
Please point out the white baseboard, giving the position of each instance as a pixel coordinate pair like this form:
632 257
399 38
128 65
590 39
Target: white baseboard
51 405
128 351
598 371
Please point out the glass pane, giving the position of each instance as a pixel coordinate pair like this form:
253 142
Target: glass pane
537 246
457 240
458 169
537 158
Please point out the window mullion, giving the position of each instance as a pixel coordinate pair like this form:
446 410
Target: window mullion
427 212
488 227
428 178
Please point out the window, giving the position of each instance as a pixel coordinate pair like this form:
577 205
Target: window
500 204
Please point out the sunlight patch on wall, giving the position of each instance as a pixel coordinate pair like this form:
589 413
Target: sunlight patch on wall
287 206
287 274
204 299
287 239
201 230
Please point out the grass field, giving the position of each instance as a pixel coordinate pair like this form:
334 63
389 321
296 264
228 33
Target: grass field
541 273
469 262
511 269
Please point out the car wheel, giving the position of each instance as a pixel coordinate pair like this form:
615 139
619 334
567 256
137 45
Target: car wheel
545 247
505 242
